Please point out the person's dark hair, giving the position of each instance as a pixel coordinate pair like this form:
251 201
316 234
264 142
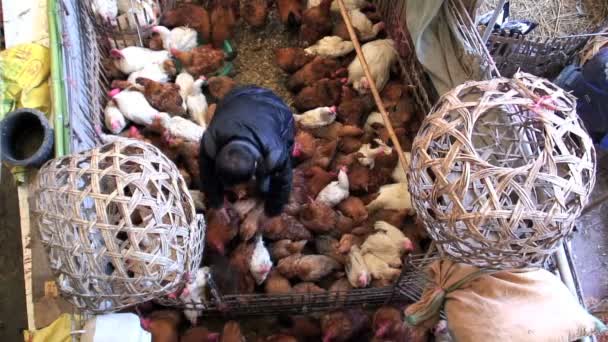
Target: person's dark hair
234 164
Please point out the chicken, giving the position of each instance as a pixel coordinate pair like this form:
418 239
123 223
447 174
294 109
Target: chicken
163 325
398 174
255 12
318 68
177 128
232 332
328 246
304 146
223 20
380 55
154 71
134 58
284 227
163 96
337 130
353 108
324 154
340 326
358 176
299 192
366 30
190 15
336 191
387 324
388 243
134 106
291 59
185 81
340 285
307 267
197 103
114 120
318 217
368 154
180 38
379 268
307 287
188 155
277 284
347 241
317 179
317 117
222 227
250 225
331 46
279 338
105 9
290 12
354 208
396 218
194 293
349 4
199 334
323 93
316 22
306 328
392 196
260 264
356 270
284 248
240 259
111 70
220 86
201 60
340 30
373 119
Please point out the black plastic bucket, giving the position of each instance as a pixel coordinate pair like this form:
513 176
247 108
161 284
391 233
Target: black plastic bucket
26 138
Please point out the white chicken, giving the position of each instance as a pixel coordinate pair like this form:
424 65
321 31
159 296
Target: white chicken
373 118
260 263
317 117
394 196
356 269
331 46
396 235
180 38
153 71
387 243
349 4
369 154
367 30
143 13
106 9
113 118
380 56
380 269
194 293
398 174
336 191
134 106
185 81
179 127
197 103
134 58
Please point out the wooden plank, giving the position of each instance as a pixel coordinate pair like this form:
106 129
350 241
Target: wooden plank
24 214
25 21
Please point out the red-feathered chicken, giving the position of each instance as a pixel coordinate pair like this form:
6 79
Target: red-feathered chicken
291 59
339 326
316 23
223 20
200 61
318 68
190 15
222 227
324 93
290 12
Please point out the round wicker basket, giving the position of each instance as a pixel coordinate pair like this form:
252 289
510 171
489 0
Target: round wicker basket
500 171
118 224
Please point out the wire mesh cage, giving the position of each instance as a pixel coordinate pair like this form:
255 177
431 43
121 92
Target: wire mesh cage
500 171
118 224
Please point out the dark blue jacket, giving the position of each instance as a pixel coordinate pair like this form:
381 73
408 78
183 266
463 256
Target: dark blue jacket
260 118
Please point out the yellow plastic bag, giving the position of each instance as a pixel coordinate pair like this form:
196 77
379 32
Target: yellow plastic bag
59 331
24 70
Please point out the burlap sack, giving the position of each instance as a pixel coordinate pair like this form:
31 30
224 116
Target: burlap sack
532 305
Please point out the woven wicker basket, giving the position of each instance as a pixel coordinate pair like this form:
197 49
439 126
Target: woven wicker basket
118 224
500 170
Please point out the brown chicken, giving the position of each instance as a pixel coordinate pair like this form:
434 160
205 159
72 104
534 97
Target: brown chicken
354 208
232 333
306 328
284 227
220 86
284 248
396 218
153 135
299 191
277 284
290 12
291 59
316 23
353 108
343 325
318 178
392 92
155 42
318 68
240 258
188 156
349 144
251 223
223 20
307 287
190 15
359 178
278 338
304 146
344 224
387 325
328 246
347 241
341 31
222 227
337 130
324 93
163 325
318 217
324 154
112 71
199 334
201 60
340 285
163 96
255 12
311 267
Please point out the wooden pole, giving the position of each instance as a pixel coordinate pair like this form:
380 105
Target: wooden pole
372 84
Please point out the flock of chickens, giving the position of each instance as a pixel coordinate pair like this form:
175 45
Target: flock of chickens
349 221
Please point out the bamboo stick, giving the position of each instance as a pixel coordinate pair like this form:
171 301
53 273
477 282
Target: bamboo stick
374 90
